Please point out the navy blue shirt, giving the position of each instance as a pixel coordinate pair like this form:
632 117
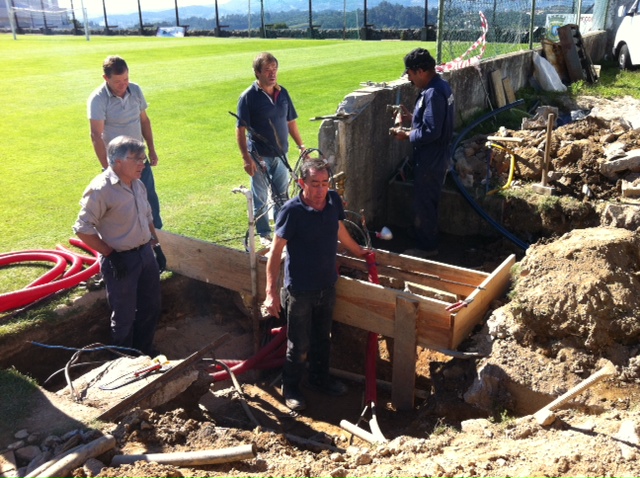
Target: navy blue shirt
432 124
312 243
267 117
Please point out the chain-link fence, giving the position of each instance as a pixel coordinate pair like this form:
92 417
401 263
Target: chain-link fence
461 28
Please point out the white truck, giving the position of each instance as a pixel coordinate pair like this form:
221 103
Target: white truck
626 46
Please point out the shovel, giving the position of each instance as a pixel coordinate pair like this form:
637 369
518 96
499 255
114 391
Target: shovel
370 393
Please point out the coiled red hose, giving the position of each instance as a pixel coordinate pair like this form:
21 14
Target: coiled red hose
58 278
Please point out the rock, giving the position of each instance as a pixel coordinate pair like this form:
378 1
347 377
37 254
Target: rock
15 445
27 453
339 473
21 434
363 459
92 467
629 440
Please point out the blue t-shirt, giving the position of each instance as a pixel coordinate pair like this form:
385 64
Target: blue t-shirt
312 243
267 118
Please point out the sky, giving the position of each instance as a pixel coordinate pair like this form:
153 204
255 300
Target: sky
94 7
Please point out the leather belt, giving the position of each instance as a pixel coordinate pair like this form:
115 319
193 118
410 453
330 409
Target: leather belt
135 248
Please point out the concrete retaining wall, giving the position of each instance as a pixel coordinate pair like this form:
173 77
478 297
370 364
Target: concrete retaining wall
359 141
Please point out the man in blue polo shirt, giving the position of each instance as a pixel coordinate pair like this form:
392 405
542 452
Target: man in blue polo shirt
310 226
266 119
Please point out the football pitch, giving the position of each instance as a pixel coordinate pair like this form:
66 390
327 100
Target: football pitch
191 84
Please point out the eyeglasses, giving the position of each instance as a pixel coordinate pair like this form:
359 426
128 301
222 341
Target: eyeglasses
138 160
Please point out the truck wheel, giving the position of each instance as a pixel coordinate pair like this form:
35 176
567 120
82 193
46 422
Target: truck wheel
624 62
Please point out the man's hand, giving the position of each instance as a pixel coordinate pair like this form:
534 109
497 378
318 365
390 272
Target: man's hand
118 265
153 158
160 258
272 304
250 166
400 133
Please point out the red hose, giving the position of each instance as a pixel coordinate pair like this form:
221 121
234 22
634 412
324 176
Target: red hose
267 355
370 390
55 280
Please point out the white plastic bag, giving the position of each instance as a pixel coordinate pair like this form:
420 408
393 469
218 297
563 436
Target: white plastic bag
546 75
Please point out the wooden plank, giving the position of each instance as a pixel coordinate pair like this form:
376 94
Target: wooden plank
212 263
404 354
494 286
422 278
498 88
361 304
508 89
133 399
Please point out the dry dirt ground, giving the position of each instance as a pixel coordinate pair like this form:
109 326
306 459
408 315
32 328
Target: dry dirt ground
572 308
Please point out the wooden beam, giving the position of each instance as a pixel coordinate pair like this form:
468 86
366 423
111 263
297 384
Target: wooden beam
148 390
404 354
508 90
498 88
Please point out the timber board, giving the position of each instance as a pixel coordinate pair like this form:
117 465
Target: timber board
368 306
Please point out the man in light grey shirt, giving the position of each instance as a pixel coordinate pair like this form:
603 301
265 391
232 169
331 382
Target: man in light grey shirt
118 108
115 220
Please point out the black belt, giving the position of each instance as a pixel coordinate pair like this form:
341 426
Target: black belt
135 248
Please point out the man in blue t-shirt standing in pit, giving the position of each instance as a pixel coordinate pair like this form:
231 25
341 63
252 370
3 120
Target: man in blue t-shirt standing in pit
310 226
266 119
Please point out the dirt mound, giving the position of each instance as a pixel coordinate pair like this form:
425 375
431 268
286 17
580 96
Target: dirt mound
583 288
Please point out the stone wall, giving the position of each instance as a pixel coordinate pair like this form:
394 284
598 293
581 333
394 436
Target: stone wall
358 139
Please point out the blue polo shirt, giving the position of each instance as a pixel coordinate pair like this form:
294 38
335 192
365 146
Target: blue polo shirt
268 117
312 243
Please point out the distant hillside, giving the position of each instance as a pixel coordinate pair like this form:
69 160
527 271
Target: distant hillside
209 12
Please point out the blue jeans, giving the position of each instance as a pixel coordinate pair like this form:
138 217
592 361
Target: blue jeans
152 196
278 175
309 317
134 299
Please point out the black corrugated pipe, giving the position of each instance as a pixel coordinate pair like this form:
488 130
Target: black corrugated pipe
454 174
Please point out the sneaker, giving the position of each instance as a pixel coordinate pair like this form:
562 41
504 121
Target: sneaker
329 386
266 240
421 253
293 399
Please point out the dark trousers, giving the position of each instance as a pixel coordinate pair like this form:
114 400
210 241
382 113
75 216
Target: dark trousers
428 182
152 196
309 317
134 300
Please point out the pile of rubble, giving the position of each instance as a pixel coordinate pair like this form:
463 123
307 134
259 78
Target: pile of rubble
594 155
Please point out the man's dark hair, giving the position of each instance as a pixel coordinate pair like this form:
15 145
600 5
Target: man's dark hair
319 164
114 65
419 59
262 59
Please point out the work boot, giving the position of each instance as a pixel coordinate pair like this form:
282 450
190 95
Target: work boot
293 398
328 386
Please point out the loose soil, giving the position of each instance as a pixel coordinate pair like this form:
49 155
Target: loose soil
572 308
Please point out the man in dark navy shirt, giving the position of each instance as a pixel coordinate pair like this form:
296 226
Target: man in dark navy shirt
310 226
266 119
430 135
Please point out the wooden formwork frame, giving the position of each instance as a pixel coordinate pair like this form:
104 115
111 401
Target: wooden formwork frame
410 318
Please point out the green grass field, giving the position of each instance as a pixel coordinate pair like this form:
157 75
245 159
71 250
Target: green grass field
190 84
46 156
